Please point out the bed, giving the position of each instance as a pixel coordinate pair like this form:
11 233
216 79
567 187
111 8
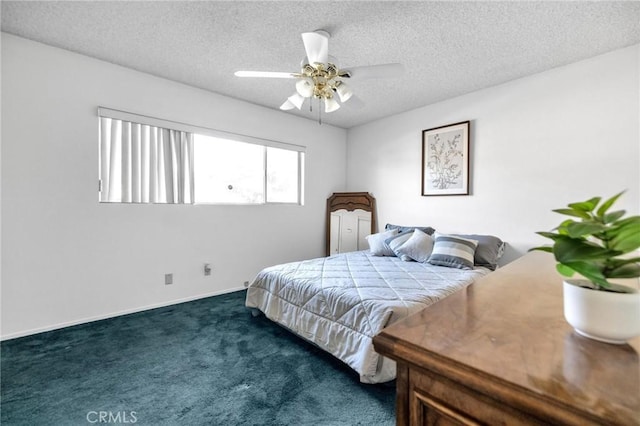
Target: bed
341 302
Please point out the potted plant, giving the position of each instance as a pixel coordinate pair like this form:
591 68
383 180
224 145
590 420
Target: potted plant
598 244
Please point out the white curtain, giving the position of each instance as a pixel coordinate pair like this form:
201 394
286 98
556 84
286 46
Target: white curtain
145 164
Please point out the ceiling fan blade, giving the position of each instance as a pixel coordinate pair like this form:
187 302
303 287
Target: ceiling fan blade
374 71
287 105
316 44
296 100
265 74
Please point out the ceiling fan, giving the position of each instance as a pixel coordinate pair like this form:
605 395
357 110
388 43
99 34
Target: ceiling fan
321 78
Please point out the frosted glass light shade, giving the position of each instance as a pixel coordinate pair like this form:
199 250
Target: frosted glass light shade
304 87
330 105
344 92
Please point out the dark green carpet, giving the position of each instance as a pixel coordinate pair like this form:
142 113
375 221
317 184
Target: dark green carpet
206 362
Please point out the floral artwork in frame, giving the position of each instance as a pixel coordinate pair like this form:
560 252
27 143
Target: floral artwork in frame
445 160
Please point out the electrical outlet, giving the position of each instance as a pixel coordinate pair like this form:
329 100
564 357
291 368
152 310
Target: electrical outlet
168 279
207 269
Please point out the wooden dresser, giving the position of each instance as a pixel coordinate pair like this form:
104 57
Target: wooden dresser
500 352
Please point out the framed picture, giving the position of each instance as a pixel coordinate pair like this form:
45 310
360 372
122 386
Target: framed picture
445 160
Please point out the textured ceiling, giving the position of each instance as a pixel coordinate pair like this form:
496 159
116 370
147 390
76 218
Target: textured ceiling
447 48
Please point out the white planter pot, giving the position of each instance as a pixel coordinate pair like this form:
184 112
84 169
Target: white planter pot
602 315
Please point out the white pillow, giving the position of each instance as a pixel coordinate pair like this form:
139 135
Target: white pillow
418 247
377 245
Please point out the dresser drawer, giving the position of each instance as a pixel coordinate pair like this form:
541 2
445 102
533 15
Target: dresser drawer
436 400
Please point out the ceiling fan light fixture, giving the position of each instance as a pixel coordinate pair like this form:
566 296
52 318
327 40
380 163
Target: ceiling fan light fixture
321 80
330 105
304 87
344 91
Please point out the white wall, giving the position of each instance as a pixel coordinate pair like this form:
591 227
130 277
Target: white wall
537 143
66 258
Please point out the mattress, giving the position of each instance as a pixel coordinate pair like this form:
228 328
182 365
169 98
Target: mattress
341 302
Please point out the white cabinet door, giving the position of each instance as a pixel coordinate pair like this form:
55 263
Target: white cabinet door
336 223
349 230
364 230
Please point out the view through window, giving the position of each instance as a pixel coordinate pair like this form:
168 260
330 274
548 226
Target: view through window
144 163
232 172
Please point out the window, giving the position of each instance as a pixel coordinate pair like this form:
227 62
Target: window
283 173
228 171
146 160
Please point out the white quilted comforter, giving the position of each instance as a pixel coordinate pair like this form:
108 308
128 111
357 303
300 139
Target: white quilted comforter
341 302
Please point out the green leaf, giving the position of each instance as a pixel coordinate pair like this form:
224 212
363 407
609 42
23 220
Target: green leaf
621 226
590 271
548 249
615 263
613 216
607 204
630 270
627 240
628 220
572 250
626 245
550 235
580 229
575 213
563 227
565 270
586 206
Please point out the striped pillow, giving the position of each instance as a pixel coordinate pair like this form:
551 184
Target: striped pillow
396 242
453 252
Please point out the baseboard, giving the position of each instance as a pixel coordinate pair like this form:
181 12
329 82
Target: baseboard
115 314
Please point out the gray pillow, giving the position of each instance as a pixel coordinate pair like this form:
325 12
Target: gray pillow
402 229
489 250
453 251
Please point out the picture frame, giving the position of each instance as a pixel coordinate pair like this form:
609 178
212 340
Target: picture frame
445 160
